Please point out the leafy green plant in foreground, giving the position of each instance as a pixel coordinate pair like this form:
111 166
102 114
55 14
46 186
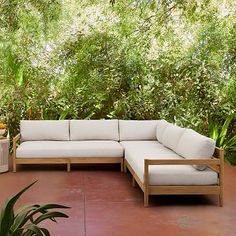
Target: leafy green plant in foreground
220 133
24 222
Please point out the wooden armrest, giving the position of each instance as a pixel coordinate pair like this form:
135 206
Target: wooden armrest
210 161
16 138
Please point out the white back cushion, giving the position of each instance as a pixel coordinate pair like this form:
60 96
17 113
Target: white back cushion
195 145
171 136
94 130
137 129
44 130
161 126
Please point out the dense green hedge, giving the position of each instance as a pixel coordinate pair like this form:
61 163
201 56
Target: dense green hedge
141 59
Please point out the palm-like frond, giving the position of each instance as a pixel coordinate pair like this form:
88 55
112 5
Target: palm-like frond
7 212
219 133
24 222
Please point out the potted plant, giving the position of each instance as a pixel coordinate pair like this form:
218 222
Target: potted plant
2 129
25 221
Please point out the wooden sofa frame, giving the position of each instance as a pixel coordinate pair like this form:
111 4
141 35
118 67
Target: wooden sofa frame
216 163
68 161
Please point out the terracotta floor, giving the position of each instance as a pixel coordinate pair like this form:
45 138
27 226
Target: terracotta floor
103 203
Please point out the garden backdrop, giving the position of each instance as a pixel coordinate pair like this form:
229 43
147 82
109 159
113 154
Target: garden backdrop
126 59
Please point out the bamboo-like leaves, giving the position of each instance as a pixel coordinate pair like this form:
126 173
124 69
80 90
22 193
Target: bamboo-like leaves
7 213
24 222
220 133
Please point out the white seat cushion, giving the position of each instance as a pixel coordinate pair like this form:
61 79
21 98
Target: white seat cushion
161 126
44 130
137 151
137 129
195 145
69 149
94 130
171 136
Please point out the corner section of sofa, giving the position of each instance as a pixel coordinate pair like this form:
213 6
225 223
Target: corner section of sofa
168 166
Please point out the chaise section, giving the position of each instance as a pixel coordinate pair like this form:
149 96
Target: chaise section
178 161
137 151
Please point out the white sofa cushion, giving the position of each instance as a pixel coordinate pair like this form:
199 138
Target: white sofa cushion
171 136
137 151
44 130
69 149
161 126
94 130
137 129
195 145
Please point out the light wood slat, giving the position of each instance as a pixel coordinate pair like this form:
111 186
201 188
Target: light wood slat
152 190
138 181
42 161
214 168
183 161
146 182
221 176
15 140
95 160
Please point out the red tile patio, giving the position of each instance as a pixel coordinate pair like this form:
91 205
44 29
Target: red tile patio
104 203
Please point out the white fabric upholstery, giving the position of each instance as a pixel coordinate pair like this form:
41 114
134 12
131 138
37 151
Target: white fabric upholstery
137 151
44 130
64 149
161 126
94 130
137 129
195 145
171 136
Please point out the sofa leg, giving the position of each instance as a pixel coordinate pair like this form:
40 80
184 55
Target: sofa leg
221 200
146 199
125 167
14 167
133 182
122 165
68 167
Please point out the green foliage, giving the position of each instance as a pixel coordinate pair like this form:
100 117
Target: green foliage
24 222
95 59
224 139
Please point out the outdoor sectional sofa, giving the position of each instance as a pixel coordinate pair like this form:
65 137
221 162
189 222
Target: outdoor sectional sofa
162 158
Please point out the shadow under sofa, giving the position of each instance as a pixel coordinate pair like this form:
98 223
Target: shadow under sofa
162 158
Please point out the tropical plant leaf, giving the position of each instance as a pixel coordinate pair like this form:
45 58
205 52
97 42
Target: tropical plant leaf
45 231
32 228
26 207
20 75
20 218
231 143
43 209
17 232
7 213
224 129
64 114
50 215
